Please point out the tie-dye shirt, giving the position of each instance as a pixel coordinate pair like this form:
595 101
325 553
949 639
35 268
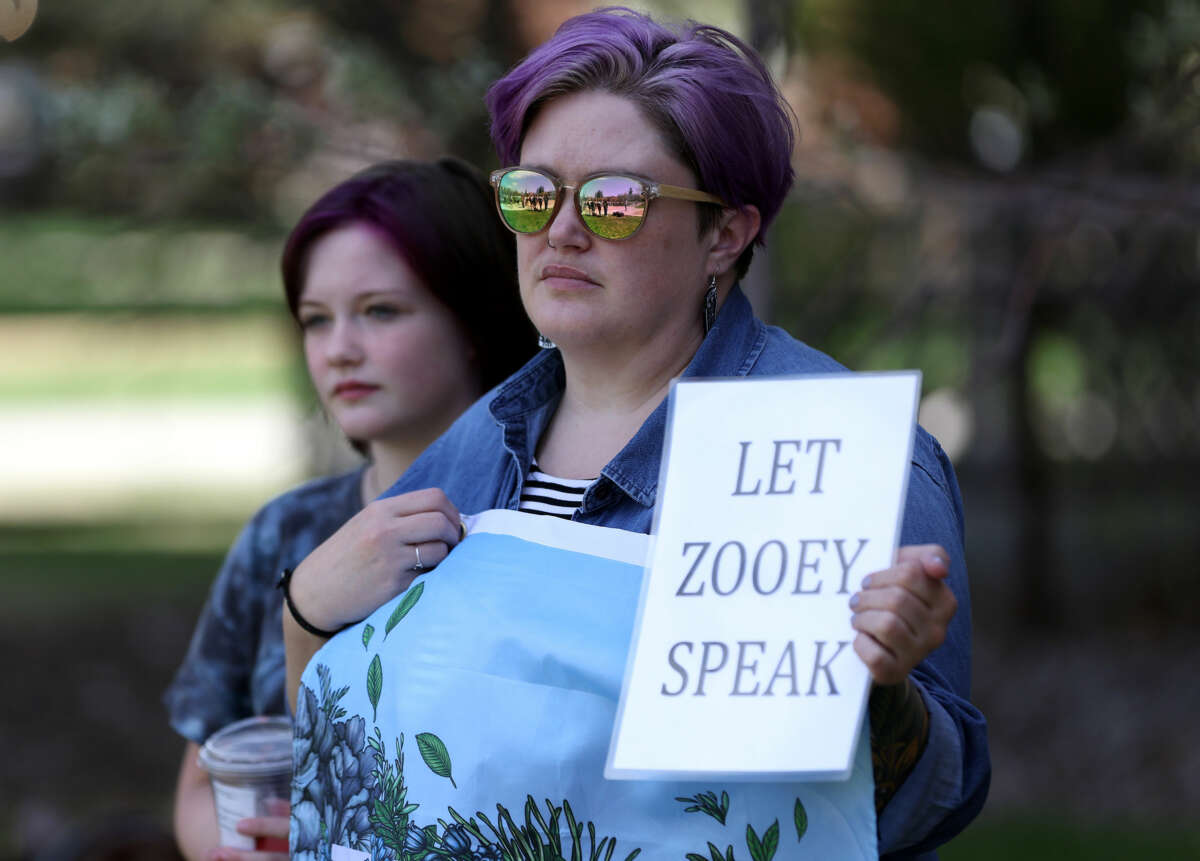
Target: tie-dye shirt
235 664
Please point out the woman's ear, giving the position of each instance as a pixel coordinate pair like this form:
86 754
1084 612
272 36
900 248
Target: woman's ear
735 230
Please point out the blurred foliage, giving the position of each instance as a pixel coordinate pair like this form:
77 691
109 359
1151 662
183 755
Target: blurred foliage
993 189
1061 66
1059 277
1165 96
205 110
1006 196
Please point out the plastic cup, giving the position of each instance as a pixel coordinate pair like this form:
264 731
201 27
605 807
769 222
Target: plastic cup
249 763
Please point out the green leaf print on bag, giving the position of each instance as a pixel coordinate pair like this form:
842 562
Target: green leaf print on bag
375 686
764 849
800 815
714 854
536 840
390 811
368 632
355 796
330 698
406 603
706 802
434 752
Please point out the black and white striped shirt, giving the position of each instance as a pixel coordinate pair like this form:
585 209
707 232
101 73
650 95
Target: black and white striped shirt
549 494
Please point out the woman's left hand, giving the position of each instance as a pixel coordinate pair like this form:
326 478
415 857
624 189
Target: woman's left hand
902 613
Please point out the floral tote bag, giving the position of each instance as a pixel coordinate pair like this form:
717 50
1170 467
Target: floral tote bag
469 719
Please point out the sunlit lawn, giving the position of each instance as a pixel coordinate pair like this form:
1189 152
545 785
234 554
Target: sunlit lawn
614 226
526 220
611 226
57 357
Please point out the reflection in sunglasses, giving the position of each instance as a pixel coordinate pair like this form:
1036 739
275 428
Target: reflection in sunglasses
612 207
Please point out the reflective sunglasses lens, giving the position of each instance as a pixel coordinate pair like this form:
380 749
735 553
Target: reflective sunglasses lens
527 199
612 206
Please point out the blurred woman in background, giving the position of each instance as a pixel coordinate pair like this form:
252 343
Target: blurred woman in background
404 288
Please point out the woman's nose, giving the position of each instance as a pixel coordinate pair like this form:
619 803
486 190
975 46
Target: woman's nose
344 347
567 230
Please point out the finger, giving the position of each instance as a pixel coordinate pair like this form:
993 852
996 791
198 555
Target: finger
909 609
909 575
933 558
417 501
880 663
264 826
428 554
888 630
426 526
907 627
279 807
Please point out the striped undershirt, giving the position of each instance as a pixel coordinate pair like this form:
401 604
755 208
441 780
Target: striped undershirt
549 494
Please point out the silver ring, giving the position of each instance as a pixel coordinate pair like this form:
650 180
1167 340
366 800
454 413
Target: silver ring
417 566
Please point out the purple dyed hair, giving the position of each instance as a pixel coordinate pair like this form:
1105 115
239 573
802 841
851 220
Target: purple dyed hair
707 92
440 218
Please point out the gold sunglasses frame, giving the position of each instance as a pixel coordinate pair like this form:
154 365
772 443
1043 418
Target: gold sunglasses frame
654 190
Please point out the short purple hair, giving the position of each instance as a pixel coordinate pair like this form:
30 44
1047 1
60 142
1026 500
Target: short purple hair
440 218
709 94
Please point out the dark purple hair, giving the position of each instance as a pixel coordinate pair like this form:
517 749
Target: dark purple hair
440 218
709 94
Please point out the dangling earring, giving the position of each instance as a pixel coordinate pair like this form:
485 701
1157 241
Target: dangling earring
710 303
545 343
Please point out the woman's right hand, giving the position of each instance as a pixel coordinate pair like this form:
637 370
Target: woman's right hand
371 558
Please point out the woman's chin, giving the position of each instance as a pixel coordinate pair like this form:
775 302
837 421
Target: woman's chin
364 427
578 339
578 327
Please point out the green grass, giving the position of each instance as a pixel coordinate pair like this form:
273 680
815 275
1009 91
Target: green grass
1046 839
61 261
85 566
103 308
157 383
614 226
610 226
88 357
526 221
146 534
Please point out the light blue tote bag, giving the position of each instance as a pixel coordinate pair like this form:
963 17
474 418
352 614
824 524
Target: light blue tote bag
469 718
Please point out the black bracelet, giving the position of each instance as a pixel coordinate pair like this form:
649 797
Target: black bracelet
283 584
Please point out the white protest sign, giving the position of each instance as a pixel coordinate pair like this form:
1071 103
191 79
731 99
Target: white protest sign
776 497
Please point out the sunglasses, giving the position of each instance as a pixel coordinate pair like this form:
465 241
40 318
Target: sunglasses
610 205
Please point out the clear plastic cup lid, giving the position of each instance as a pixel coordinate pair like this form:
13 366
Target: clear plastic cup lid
253 747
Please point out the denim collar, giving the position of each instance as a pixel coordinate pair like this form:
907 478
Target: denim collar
523 406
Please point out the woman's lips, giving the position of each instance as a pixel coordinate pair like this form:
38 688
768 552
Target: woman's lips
353 390
566 277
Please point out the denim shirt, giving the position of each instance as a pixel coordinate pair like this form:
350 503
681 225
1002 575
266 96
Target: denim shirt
483 459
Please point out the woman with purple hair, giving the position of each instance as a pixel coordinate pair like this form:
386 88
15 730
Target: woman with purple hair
404 290
663 155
